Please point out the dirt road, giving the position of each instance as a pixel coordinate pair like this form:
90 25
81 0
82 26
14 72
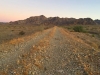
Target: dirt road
51 52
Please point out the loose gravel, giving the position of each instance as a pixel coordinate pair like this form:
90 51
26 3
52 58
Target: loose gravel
54 52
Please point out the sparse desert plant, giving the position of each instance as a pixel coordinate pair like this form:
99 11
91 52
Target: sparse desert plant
78 29
99 47
12 30
21 33
93 35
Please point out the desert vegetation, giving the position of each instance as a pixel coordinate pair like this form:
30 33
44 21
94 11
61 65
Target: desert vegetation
9 32
78 29
91 30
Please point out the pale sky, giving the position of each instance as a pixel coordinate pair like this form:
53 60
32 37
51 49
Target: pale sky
12 10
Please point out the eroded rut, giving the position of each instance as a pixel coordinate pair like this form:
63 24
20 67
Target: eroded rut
54 52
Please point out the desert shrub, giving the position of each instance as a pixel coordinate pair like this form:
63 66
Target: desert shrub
78 29
21 33
12 30
99 47
93 35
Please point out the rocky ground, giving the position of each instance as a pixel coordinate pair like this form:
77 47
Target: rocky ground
52 52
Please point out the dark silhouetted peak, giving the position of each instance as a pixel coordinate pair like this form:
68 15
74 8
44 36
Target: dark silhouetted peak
36 18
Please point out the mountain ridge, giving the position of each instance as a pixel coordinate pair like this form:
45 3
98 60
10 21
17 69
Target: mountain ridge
37 20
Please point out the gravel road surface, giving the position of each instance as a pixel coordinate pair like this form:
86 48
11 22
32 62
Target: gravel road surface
51 52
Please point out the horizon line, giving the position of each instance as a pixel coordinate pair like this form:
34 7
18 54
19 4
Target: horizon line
46 17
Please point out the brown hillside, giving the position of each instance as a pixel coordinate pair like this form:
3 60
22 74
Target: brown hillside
37 20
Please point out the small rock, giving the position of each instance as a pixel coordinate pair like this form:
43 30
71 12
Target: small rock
5 51
61 71
18 61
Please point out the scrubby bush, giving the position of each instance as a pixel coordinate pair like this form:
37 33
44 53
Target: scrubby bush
78 29
21 33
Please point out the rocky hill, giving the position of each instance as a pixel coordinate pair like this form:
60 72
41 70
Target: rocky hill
97 21
36 20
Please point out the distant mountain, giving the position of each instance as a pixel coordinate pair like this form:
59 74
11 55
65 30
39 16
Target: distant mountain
97 21
37 20
3 23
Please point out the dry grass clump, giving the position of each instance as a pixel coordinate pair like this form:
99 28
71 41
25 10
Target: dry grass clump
3 73
38 64
16 41
92 44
